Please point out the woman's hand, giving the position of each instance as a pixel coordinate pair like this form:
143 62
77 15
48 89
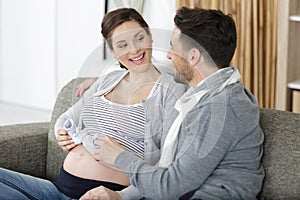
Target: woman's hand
101 193
65 141
108 151
82 87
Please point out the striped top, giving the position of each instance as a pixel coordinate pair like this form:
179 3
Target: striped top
124 123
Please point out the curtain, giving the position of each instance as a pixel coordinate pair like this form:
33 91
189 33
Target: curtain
255 55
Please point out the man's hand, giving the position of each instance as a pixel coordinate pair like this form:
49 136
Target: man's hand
82 87
65 141
101 193
108 150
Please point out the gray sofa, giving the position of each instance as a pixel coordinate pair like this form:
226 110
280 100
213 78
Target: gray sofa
32 148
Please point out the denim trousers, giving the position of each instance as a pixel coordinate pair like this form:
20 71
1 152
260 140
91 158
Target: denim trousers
17 186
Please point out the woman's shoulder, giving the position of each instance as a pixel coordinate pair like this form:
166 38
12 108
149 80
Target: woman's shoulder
114 74
111 78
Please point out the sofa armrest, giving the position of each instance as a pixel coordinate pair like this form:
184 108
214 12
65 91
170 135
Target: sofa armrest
23 148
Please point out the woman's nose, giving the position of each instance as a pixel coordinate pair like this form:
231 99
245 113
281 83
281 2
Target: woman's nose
134 48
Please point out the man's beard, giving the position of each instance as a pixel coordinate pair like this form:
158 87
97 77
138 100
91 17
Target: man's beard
185 75
179 78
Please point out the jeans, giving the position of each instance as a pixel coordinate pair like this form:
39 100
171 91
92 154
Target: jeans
17 186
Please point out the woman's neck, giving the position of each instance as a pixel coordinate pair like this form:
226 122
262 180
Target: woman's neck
143 73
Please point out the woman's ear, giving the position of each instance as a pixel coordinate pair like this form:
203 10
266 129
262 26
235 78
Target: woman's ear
151 38
110 50
194 56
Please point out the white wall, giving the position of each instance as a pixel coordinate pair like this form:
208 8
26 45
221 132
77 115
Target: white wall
159 16
27 47
44 44
78 34
160 13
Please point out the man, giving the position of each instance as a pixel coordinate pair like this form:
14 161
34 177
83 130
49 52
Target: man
214 147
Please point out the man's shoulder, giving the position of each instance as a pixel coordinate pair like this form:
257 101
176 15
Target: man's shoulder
234 98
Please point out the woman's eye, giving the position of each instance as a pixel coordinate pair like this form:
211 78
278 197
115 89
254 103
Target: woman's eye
140 38
122 46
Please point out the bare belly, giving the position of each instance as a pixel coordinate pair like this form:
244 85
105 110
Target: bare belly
81 163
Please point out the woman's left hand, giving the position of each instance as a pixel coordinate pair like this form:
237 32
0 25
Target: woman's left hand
101 193
108 150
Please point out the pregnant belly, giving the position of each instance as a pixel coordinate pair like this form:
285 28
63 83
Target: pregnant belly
81 163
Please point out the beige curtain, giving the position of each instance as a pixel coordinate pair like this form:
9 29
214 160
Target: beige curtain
255 56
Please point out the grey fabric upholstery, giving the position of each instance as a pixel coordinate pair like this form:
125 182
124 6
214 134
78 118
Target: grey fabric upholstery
281 154
23 148
32 148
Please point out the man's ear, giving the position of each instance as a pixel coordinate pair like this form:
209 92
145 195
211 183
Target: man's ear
194 56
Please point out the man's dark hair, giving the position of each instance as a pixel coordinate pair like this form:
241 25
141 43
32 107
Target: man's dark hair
214 31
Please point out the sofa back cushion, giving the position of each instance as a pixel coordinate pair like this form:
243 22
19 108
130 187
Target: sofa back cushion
55 155
281 158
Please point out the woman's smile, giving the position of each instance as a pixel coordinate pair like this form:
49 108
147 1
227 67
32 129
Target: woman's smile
137 60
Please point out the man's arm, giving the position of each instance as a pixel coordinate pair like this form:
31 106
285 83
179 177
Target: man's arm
189 170
85 85
130 193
